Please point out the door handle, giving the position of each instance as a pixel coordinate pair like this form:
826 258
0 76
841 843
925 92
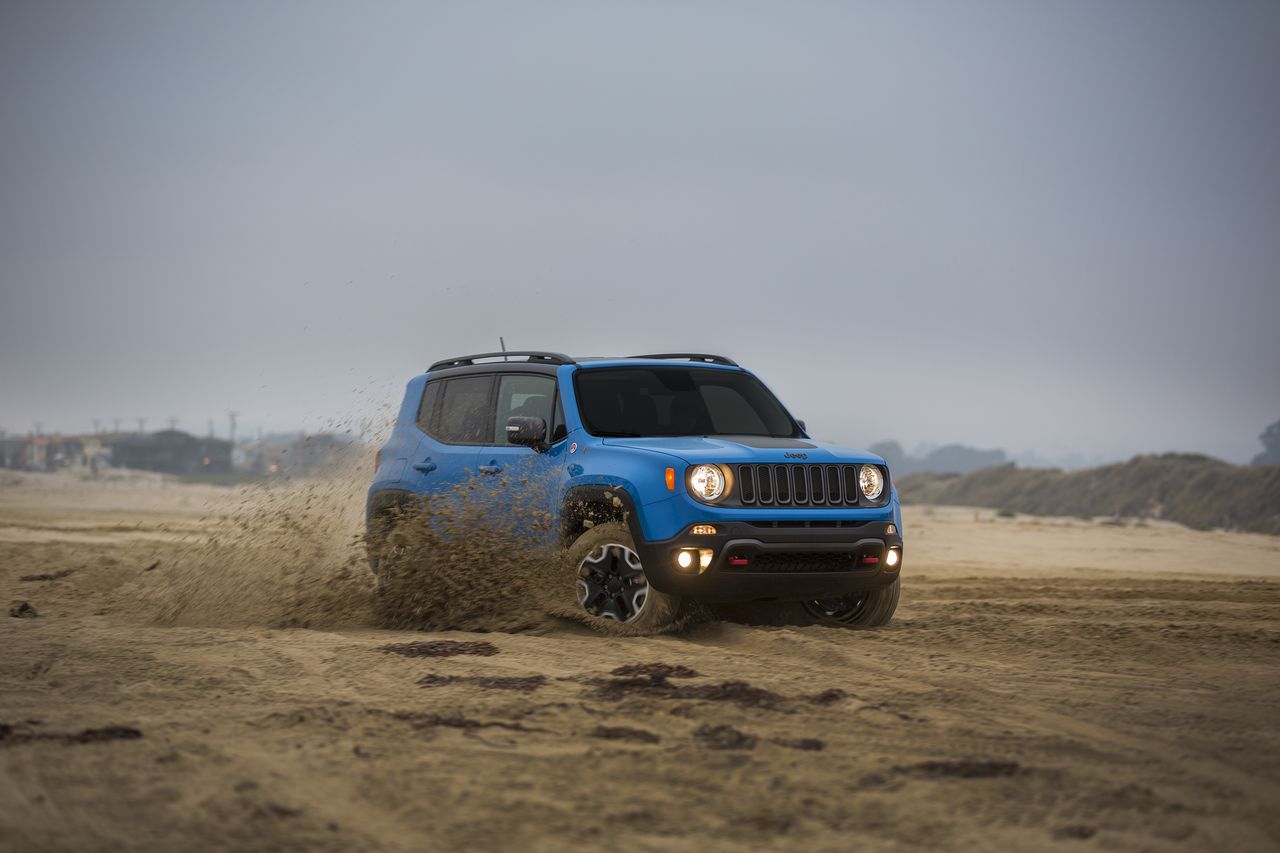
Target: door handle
490 469
426 466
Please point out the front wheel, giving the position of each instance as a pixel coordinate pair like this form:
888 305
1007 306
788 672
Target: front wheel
610 582
869 609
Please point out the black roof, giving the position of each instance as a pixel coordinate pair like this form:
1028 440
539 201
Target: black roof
541 357
527 356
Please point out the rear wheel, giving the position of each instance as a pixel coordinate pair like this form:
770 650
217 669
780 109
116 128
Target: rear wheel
610 580
397 562
868 609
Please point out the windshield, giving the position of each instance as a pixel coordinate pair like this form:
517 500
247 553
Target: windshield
666 401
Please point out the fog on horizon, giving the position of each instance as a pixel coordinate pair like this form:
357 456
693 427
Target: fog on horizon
1032 226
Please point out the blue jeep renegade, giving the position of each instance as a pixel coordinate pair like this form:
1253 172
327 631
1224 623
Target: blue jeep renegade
674 477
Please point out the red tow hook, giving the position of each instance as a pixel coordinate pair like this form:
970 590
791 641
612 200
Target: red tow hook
870 560
737 561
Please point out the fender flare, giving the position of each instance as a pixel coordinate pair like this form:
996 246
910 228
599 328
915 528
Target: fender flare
616 494
381 505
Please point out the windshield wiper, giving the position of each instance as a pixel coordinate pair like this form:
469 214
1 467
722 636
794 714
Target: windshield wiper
618 434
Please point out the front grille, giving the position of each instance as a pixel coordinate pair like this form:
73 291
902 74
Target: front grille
799 561
801 486
805 524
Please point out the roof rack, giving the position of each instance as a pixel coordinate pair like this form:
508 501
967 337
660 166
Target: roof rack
692 356
529 356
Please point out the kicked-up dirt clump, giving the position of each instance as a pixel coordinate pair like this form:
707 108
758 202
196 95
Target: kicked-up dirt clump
12 735
441 648
724 736
426 720
624 733
805 744
961 769
48 576
655 670
520 683
654 679
828 697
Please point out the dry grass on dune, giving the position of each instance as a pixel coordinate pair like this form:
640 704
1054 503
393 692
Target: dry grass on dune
1197 491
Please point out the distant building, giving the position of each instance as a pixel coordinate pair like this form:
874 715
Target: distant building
171 451
13 452
168 452
42 452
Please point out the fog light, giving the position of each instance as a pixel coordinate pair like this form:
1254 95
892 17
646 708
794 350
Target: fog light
689 558
891 559
703 530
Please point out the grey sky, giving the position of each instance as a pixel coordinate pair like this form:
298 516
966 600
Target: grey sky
1032 226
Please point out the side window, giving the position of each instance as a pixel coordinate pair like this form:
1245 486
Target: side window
523 395
427 411
464 416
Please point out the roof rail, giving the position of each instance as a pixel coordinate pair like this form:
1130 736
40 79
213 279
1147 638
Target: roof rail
691 356
529 356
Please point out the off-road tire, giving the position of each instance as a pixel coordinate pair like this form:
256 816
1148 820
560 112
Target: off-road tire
659 610
874 612
396 561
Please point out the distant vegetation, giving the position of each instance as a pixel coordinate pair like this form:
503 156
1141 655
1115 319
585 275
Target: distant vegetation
950 459
1193 490
1270 439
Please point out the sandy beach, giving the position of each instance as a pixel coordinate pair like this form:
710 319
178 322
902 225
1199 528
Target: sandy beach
202 671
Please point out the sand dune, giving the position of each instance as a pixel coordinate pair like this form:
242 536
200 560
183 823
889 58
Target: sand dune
1047 684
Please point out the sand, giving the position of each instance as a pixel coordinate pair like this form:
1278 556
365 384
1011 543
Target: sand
208 676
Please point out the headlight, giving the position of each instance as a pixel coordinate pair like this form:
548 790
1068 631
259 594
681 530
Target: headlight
707 482
871 481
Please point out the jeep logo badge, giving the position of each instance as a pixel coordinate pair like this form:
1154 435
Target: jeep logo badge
796 455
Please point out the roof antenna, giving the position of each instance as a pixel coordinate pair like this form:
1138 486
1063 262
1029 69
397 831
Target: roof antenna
503 344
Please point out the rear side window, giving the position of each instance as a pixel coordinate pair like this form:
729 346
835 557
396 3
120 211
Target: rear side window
464 414
522 395
430 401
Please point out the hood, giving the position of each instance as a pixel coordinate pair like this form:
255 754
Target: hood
747 448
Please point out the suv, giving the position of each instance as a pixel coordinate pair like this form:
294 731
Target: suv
674 477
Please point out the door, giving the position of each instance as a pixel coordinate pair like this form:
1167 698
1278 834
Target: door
528 482
455 420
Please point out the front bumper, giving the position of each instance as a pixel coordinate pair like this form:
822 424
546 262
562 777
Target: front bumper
791 560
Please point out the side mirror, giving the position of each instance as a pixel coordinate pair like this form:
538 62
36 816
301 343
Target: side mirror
529 432
804 429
